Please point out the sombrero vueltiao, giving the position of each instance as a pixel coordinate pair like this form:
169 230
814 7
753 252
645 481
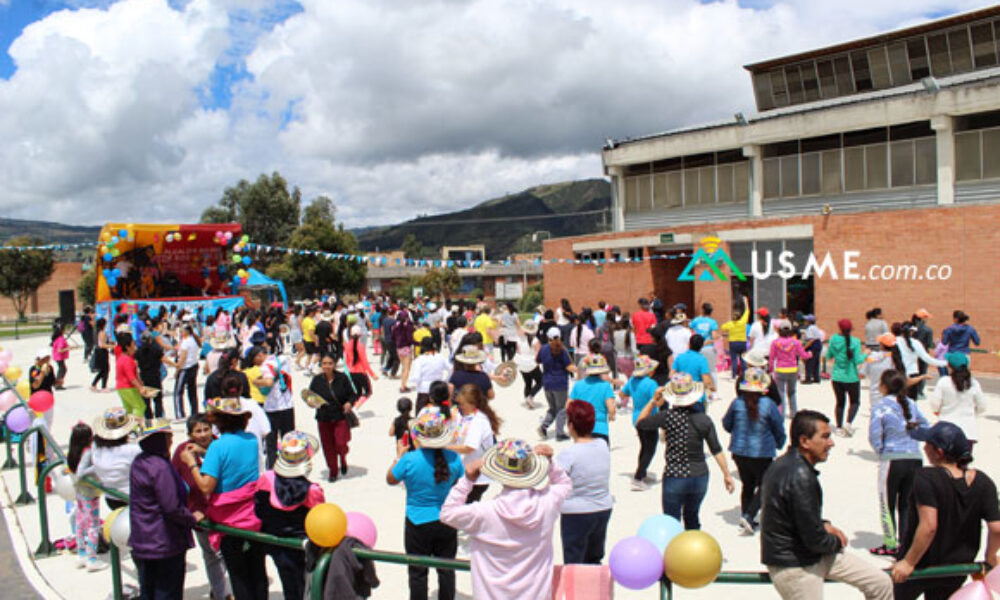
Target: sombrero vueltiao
312 399
513 463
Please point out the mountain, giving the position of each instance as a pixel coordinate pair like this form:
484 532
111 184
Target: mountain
52 233
506 224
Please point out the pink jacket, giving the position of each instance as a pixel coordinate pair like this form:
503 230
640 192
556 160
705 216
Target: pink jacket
233 508
511 536
785 354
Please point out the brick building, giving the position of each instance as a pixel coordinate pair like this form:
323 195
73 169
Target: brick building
881 153
45 302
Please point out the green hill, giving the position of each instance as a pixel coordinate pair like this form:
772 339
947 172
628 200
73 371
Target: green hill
506 224
52 233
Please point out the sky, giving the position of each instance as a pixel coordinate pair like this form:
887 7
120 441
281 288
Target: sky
146 110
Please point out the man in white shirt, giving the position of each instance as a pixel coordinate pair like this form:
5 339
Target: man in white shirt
427 368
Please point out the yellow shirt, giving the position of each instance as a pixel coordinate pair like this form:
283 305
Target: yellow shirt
484 324
736 331
418 336
309 330
254 373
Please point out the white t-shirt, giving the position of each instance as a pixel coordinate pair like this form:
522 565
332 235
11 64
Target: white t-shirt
476 433
259 425
428 368
677 338
277 399
525 357
957 407
113 465
190 346
759 341
456 338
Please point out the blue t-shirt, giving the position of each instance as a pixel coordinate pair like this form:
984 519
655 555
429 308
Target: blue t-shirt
555 377
694 364
599 318
232 461
595 391
704 326
138 326
424 496
641 390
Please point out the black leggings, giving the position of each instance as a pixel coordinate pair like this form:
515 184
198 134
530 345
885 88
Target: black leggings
647 449
932 589
899 489
841 391
102 376
751 472
282 421
532 382
61 371
430 539
362 384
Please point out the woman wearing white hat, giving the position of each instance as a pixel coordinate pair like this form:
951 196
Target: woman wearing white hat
428 474
527 349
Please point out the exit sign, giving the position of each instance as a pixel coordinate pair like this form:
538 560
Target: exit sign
666 238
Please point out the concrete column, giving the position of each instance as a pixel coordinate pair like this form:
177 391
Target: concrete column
755 203
944 130
617 198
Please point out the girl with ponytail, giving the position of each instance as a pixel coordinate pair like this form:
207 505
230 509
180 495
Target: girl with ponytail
893 417
847 355
958 397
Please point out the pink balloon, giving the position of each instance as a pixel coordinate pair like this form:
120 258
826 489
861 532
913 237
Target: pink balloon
993 579
6 355
18 420
41 401
7 399
976 590
361 527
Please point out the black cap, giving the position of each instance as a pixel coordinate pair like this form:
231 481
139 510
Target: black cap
948 437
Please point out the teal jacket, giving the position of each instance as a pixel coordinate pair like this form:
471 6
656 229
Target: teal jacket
844 370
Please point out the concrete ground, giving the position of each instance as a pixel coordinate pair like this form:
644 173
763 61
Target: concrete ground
849 480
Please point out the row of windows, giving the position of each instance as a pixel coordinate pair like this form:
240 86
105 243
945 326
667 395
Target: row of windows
857 168
631 254
898 63
977 155
720 184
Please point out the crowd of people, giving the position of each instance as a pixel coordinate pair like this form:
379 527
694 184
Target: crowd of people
246 464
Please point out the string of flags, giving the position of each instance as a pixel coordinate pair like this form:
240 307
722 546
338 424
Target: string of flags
51 247
382 261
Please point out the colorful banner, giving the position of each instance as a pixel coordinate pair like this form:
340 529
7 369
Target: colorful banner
209 305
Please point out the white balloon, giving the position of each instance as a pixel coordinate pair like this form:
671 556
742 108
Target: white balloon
120 529
63 484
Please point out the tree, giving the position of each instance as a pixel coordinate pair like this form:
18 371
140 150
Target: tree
86 288
533 297
412 248
22 272
305 273
440 282
268 212
320 210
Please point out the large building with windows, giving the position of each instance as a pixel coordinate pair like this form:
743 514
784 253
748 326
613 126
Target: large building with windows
879 156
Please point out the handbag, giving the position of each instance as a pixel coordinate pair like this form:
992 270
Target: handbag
350 416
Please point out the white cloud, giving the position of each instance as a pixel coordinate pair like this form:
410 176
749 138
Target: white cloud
397 107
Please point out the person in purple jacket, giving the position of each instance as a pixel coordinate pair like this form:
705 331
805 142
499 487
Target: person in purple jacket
160 521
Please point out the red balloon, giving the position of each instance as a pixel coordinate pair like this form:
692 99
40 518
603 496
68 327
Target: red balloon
41 401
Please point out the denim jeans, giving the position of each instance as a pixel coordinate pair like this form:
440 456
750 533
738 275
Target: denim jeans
684 495
736 350
583 536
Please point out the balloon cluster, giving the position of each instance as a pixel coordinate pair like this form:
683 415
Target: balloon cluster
110 249
223 237
173 236
111 276
117 527
242 276
327 525
16 418
691 559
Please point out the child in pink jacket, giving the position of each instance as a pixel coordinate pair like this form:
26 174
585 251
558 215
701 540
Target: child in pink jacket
783 362
511 534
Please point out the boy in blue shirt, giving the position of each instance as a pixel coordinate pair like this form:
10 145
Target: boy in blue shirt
694 364
594 390
641 388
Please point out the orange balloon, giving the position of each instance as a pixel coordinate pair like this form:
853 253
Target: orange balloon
326 525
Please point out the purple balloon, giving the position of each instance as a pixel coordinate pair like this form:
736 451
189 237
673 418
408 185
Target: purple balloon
635 563
18 420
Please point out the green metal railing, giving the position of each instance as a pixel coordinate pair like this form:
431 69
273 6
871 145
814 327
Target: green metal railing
47 548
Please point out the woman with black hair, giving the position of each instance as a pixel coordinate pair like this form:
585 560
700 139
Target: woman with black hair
958 397
875 326
150 357
943 522
847 354
912 351
334 431
102 362
428 474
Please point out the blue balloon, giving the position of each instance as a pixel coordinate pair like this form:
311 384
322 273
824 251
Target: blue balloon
108 257
247 260
117 273
660 529
107 273
123 233
112 282
114 240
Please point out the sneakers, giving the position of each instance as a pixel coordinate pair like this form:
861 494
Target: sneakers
96 565
883 550
81 561
849 429
840 432
748 526
561 438
542 433
639 485
529 402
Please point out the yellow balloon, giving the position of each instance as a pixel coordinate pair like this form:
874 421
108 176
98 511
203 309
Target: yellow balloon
13 373
692 559
24 389
106 529
326 525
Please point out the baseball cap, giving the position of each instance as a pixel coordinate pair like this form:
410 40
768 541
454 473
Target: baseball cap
946 436
923 314
43 353
553 332
762 311
886 339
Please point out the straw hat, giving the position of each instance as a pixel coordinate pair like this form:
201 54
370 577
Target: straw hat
220 342
682 390
755 379
680 319
114 424
506 372
595 364
887 339
229 406
513 463
431 429
150 392
312 399
644 365
530 327
754 358
295 454
157 426
471 356
326 315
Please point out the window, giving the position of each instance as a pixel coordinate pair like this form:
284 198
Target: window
827 83
635 253
810 174
925 158
778 89
796 94
879 66
984 49
593 255
862 74
762 90
809 81
919 67
902 163
831 172
772 178
940 62
961 55
675 188
854 169
645 193
741 179
991 153
876 167
706 187
690 187
968 156
724 176
899 68
661 193
789 176
842 71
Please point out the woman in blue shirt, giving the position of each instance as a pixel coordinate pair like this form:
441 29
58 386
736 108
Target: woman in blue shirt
594 390
641 388
757 431
556 368
428 474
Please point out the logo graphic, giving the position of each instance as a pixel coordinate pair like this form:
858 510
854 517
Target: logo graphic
709 254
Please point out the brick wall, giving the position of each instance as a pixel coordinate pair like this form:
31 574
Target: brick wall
46 300
966 237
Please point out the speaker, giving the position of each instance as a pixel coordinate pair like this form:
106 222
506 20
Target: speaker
67 307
